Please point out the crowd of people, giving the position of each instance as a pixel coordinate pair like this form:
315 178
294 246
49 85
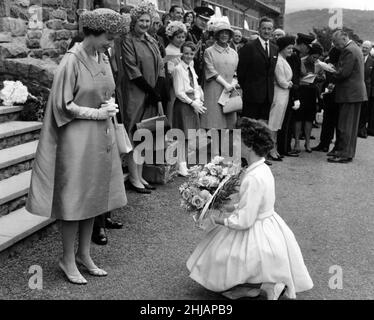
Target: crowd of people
134 65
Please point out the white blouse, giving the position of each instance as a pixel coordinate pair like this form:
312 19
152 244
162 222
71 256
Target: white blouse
181 83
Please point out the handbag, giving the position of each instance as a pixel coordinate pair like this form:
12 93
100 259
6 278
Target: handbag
122 138
234 103
150 123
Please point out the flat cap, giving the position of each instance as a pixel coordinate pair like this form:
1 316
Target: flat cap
204 12
305 38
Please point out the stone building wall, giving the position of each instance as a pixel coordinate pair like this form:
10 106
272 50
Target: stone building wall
34 34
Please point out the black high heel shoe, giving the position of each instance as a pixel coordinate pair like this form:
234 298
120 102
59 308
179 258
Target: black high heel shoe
138 190
274 158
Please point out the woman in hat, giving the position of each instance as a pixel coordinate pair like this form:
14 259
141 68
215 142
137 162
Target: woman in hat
221 62
176 32
283 84
143 75
308 93
77 173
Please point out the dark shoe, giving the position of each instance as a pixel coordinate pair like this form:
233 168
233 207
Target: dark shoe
274 158
321 148
308 149
363 136
339 160
99 236
138 190
149 187
268 163
332 153
312 138
292 154
111 224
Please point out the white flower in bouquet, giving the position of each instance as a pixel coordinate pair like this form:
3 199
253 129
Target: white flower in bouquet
217 160
186 194
198 202
13 92
202 174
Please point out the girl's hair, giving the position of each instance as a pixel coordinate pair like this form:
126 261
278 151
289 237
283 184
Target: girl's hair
88 32
187 14
188 44
256 135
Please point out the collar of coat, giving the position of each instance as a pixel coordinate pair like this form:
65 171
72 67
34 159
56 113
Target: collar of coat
92 66
221 49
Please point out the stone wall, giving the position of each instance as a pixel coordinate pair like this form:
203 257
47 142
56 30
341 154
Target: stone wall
34 34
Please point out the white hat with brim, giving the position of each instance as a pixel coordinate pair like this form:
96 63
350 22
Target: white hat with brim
222 25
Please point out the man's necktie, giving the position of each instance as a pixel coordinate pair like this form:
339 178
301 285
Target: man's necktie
190 75
266 49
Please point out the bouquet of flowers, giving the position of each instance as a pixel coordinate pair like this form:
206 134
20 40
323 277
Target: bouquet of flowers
208 187
14 92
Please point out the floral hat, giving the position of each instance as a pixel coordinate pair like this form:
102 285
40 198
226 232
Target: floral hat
144 7
105 19
175 26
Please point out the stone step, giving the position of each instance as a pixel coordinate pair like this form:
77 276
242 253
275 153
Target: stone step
13 133
10 113
18 159
14 187
18 225
17 154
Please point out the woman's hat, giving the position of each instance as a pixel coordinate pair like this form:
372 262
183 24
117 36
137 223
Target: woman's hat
107 20
316 48
284 42
221 25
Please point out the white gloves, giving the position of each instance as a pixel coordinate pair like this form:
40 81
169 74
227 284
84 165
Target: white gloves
106 111
198 106
228 86
296 105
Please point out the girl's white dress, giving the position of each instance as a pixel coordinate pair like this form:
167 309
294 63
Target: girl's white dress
255 245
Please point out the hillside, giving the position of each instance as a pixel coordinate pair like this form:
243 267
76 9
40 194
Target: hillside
362 22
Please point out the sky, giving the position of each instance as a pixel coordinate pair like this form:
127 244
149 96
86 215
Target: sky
296 5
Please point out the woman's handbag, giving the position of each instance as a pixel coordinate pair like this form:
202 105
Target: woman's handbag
234 103
150 124
122 138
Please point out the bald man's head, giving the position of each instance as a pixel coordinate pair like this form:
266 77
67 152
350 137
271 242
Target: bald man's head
366 47
278 33
237 36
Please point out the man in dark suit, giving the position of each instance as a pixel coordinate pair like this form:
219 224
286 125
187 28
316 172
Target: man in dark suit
257 60
369 64
350 92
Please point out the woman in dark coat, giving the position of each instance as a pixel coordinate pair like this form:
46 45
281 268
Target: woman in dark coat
143 74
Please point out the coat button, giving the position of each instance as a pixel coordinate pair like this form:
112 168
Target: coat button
107 131
108 149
